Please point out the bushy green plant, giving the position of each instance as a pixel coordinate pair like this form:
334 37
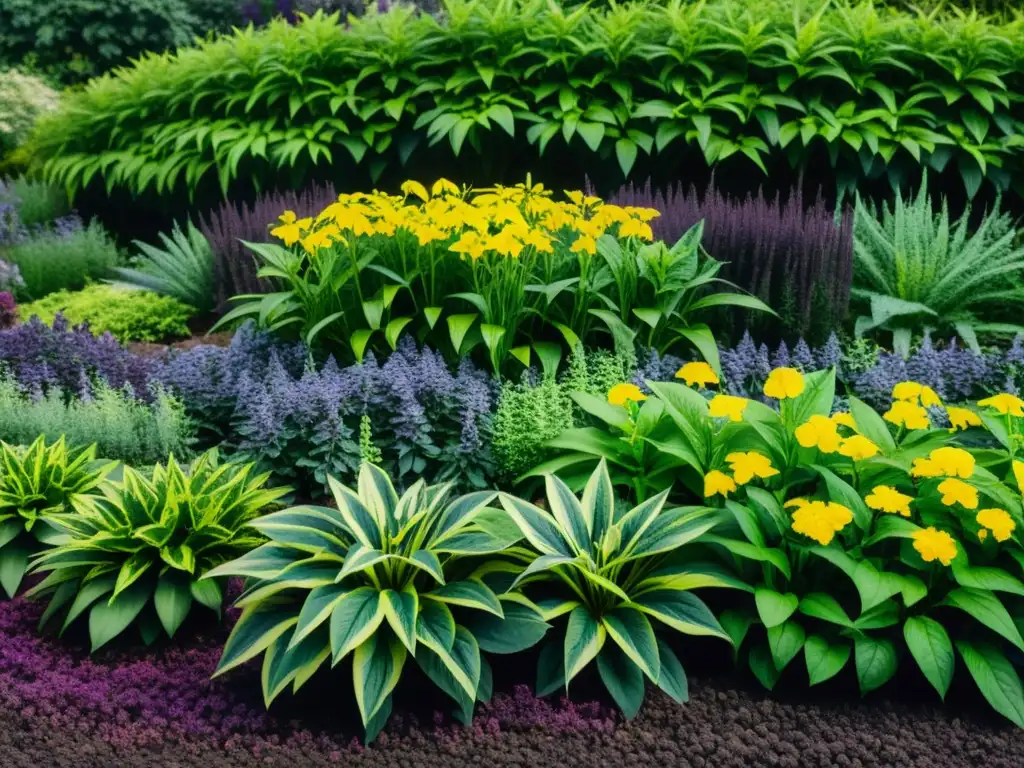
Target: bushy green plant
73 40
129 315
382 577
36 483
140 552
915 269
620 578
121 426
53 261
526 418
37 202
183 269
869 92
24 99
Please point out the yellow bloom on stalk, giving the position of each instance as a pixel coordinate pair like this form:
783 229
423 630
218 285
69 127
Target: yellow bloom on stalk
470 244
1018 474
698 374
540 242
1005 404
636 228
905 413
718 483
819 520
858 448
913 392
321 238
784 383
426 233
962 418
933 544
443 187
819 432
958 492
584 244
644 214
621 394
945 462
746 466
505 242
290 229
416 189
727 407
998 521
885 498
845 419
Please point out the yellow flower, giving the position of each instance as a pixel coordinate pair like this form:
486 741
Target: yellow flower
584 244
819 520
945 462
620 394
415 188
885 498
1005 404
470 244
911 391
858 448
727 406
636 228
933 544
1018 474
820 432
443 187
746 466
982 534
505 242
783 383
698 374
716 482
905 413
540 242
290 229
958 492
321 238
962 418
998 521
845 419
930 398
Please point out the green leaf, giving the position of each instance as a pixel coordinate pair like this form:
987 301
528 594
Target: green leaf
632 632
876 661
458 327
623 679
537 526
108 619
521 628
584 639
996 679
13 562
468 593
172 600
432 314
993 579
774 608
400 610
785 642
824 660
355 619
376 669
207 592
625 153
871 425
682 611
987 609
763 666
672 678
825 607
932 650
873 586
394 330
359 339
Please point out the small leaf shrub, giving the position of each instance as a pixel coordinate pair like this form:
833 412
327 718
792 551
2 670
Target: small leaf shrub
122 427
797 259
64 257
24 98
137 555
128 315
182 269
388 579
37 482
868 92
35 202
917 270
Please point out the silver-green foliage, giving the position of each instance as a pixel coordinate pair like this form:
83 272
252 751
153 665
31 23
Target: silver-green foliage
384 578
183 268
135 552
620 580
916 269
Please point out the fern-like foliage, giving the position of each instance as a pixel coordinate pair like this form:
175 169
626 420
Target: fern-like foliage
182 269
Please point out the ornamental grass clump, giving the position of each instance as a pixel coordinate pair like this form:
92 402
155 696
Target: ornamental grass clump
387 579
36 483
136 553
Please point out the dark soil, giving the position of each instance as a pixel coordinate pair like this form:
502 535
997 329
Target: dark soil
722 726
148 349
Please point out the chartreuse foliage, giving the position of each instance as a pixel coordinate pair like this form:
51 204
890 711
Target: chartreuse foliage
383 578
508 267
35 483
621 584
135 552
873 93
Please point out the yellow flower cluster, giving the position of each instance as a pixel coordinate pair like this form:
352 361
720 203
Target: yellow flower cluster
1004 404
945 462
744 466
727 407
822 432
784 383
887 499
501 220
933 544
998 521
621 394
698 374
819 520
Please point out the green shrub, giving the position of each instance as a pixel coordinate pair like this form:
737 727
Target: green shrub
36 483
37 202
183 269
527 417
136 553
128 314
122 427
915 269
72 40
60 261
869 92
23 100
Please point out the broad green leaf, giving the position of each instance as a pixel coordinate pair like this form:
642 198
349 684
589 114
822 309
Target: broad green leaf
824 659
987 609
993 579
774 608
376 668
825 607
584 638
256 629
623 679
996 679
876 661
632 632
521 628
784 642
763 666
682 611
468 593
172 599
107 619
672 679
932 650
354 619
537 526
400 610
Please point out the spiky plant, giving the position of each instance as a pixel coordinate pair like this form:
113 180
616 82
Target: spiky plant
182 269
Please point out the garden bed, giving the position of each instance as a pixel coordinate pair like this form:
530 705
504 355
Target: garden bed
131 707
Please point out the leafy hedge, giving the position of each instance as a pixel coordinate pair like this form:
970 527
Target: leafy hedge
873 93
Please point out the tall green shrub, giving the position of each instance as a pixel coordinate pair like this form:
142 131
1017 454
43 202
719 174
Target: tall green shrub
57 261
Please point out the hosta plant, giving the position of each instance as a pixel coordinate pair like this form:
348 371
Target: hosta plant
618 585
135 552
36 483
383 579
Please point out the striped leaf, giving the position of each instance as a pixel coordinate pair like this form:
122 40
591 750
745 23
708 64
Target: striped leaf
632 632
584 638
568 512
469 593
358 519
599 501
317 608
257 628
682 611
354 619
376 669
461 662
378 495
400 610
537 526
435 626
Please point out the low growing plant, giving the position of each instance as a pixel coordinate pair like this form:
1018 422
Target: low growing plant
182 269
140 553
63 257
387 579
35 483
